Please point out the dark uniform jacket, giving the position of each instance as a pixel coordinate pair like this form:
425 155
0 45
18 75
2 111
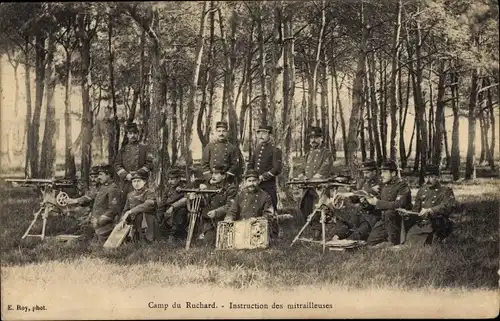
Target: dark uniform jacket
267 159
220 202
133 157
169 198
367 211
90 195
318 161
251 204
106 207
221 154
395 194
141 202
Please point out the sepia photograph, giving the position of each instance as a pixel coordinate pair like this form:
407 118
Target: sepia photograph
323 159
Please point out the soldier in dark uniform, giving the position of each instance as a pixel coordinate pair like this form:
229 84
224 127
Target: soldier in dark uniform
133 156
216 206
85 201
252 202
172 216
221 153
140 209
360 223
435 203
106 204
319 165
394 193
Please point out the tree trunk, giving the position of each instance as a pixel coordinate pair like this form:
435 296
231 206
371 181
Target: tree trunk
439 121
33 142
374 109
455 137
313 88
491 154
470 170
325 108
393 88
288 94
70 166
304 118
193 88
175 115
402 116
113 124
446 145
341 112
48 154
482 130
369 116
27 124
383 108
357 101
262 66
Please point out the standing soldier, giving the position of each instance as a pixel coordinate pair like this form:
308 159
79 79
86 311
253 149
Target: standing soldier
394 193
268 163
319 165
360 223
106 204
140 209
172 216
221 153
252 202
435 203
133 156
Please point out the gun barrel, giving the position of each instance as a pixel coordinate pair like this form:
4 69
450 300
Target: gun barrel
198 191
40 181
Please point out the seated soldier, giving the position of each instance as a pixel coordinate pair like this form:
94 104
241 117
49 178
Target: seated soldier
84 202
252 202
106 204
394 193
140 209
217 205
173 216
360 223
435 203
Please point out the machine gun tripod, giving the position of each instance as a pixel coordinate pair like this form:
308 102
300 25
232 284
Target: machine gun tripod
321 187
194 198
53 199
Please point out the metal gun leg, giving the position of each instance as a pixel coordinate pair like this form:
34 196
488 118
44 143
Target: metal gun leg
303 228
32 223
402 235
192 222
323 230
44 224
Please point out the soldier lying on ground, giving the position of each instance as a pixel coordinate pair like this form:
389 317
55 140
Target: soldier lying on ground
360 223
106 204
394 193
252 202
435 203
140 210
172 216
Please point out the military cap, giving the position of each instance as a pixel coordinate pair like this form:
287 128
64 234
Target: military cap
94 170
316 132
432 169
265 128
108 169
390 166
251 173
174 173
140 174
221 124
369 165
131 127
219 168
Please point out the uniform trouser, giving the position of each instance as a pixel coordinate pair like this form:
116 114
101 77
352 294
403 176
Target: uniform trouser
208 235
386 229
125 187
176 224
427 231
307 203
270 188
103 231
356 228
145 227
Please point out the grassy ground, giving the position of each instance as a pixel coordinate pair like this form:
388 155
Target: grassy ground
468 259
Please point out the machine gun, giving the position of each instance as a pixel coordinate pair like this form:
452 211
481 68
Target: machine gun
54 199
193 207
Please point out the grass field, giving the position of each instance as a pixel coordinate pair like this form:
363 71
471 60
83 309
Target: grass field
467 261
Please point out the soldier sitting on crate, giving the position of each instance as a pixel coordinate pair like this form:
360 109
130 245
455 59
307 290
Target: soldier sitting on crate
435 203
359 224
217 205
171 214
106 204
140 209
252 202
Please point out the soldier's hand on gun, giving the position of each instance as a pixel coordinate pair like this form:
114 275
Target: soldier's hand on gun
301 177
228 219
372 200
93 222
376 188
425 211
211 214
203 186
128 177
317 176
169 211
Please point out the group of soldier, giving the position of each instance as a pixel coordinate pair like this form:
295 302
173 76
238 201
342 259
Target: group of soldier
120 194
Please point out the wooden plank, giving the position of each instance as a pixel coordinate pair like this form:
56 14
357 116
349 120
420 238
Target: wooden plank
117 236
